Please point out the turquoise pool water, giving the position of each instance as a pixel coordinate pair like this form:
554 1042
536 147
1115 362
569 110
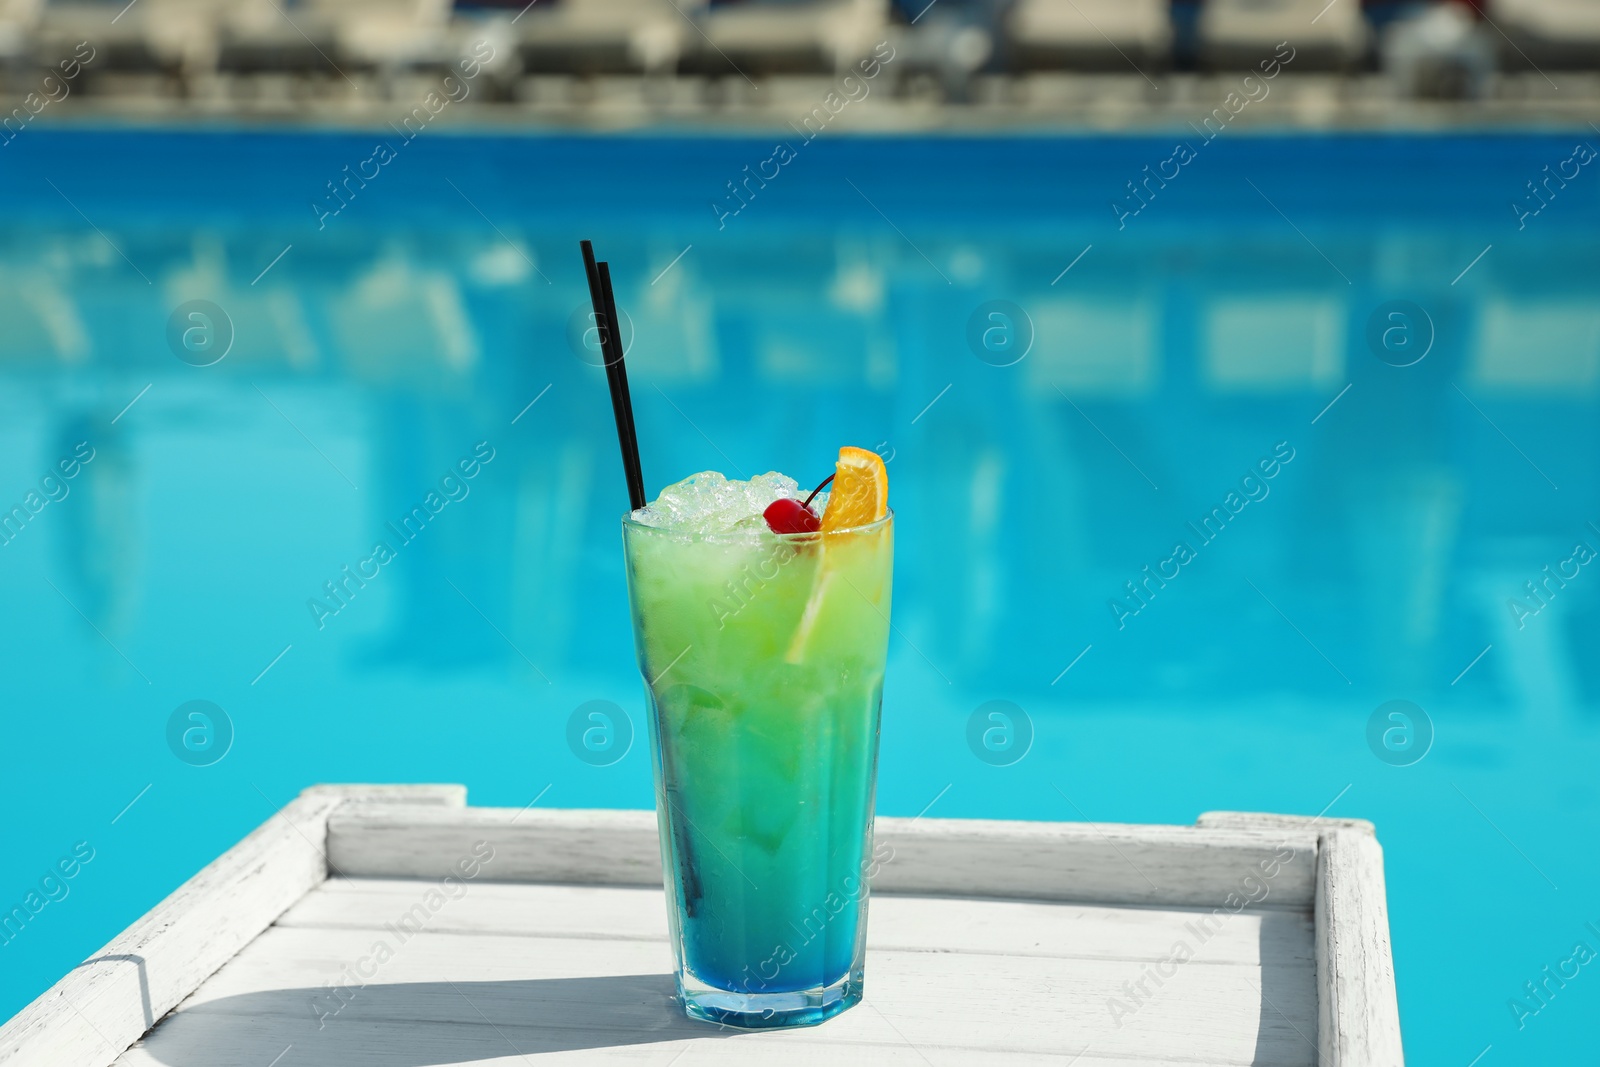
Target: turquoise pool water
1237 324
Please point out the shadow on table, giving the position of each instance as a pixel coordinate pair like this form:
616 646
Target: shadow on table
421 1024
1287 1032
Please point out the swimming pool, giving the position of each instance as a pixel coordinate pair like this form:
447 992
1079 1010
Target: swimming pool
1423 469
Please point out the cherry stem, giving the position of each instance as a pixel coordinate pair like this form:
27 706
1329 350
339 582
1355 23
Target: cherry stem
814 492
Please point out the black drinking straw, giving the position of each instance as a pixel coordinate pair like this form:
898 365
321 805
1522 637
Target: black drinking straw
631 456
604 302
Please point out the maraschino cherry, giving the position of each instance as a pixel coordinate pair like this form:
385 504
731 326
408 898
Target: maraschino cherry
786 515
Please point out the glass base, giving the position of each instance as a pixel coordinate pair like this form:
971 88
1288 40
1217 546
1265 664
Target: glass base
769 1011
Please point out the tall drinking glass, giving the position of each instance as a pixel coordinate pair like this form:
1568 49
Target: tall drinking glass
763 655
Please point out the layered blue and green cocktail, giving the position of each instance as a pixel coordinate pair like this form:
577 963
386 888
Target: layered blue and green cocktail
763 654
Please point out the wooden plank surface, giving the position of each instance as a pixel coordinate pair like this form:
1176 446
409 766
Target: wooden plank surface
530 845
1058 958
1111 863
425 1047
1262 820
1358 1015
102 1006
933 924
506 971
1161 865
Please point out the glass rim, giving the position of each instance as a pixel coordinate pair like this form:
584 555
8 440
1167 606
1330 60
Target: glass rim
629 522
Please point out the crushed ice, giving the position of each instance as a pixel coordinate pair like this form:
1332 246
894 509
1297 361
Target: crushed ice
708 503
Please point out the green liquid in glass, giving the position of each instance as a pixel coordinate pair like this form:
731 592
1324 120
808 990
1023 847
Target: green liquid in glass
764 660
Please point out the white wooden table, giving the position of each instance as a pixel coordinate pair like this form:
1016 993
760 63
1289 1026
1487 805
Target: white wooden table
392 925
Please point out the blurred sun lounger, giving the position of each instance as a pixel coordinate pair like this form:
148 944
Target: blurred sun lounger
1324 36
124 41
1554 34
18 22
264 37
1090 35
386 34
589 37
821 36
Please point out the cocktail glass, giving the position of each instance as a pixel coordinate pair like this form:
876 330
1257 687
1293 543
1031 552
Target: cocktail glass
763 655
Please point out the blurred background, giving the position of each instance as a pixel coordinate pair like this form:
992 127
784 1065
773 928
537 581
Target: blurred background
1078 269
1105 63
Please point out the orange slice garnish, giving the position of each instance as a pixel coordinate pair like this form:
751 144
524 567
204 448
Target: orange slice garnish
860 493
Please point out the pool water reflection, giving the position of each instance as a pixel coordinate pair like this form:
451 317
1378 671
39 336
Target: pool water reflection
1216 515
